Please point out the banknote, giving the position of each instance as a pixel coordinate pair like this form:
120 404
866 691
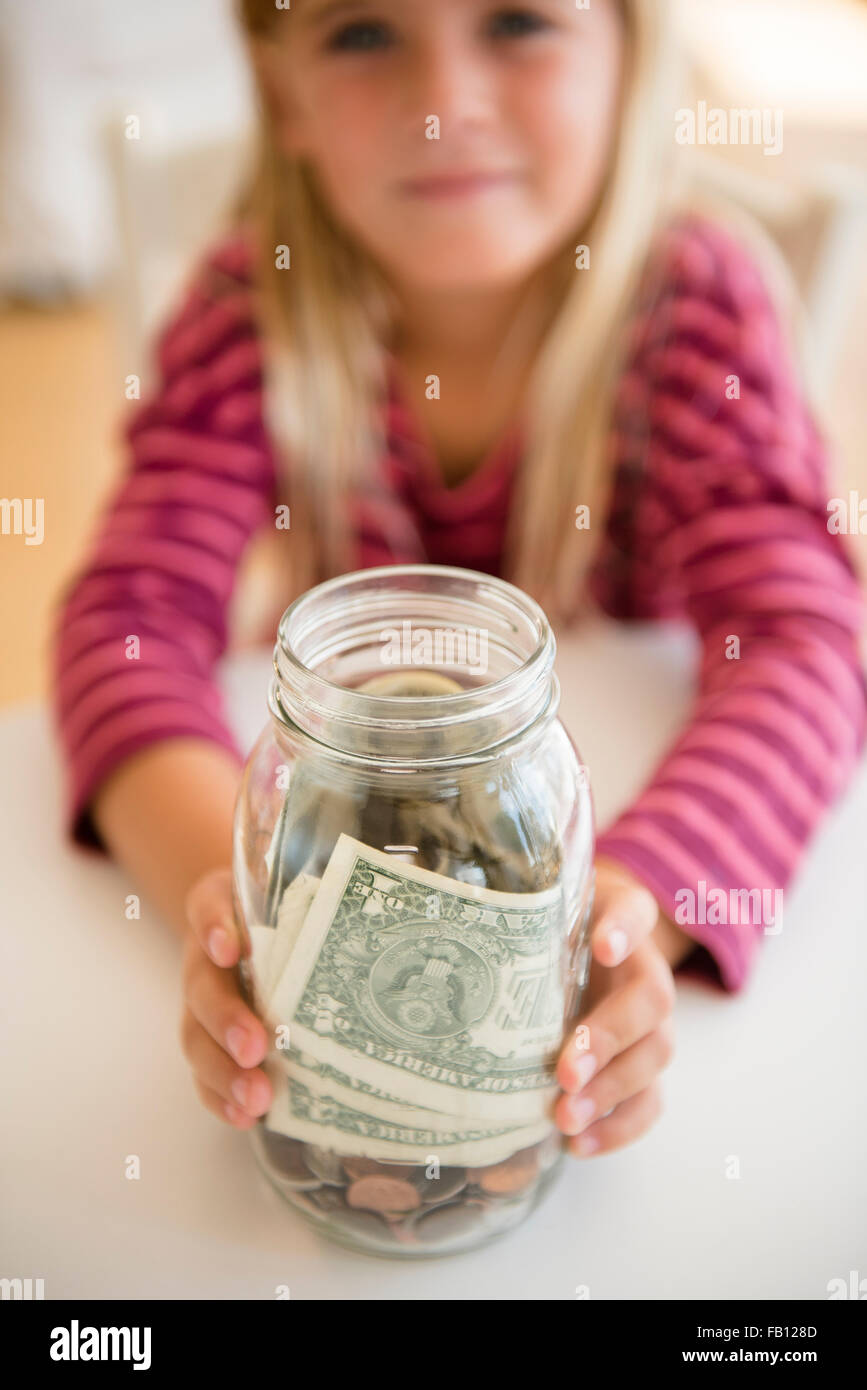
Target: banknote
326 1081
329 1124
439 993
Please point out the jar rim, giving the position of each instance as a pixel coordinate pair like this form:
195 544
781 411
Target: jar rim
323 699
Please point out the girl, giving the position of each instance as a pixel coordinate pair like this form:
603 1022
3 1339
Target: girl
479 199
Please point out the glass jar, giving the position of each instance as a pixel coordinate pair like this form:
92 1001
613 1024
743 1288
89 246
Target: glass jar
413 868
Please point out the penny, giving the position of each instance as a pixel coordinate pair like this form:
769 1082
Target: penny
383 1195
516 1174
325 1164
369 1168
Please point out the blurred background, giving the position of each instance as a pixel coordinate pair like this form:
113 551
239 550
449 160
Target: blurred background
98 228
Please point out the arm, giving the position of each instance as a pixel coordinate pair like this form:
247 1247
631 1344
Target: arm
165 814
152 767
729 527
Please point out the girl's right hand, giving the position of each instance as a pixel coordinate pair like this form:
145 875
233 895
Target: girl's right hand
222 1039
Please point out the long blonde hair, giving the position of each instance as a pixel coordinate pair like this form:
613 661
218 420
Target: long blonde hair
324 327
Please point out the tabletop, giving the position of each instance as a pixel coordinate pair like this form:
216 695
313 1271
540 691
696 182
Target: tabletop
93 1072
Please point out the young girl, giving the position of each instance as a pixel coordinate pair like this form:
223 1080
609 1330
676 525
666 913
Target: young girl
462 318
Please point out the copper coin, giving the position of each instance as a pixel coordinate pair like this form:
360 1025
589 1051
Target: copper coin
383 1195
369 1168
516 1174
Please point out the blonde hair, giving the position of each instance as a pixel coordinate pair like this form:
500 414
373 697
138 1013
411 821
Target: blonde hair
324 327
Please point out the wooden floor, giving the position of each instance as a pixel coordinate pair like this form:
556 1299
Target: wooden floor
61 408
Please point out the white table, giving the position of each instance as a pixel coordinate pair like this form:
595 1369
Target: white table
93 1071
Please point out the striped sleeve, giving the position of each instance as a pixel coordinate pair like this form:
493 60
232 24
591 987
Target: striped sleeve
729 526
139 629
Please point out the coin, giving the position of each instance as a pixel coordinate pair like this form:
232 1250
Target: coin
325 1164
514 1175
369 1167
285 1158
444 1223
363 1223
328 1199
411 683
446 1184
383 1195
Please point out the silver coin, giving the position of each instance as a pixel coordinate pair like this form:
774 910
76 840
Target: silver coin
447 1184
447 1222
325 1164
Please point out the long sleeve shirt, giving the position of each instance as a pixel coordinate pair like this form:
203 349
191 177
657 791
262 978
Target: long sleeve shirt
719 515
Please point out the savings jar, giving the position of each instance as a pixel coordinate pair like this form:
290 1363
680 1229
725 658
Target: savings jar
413 872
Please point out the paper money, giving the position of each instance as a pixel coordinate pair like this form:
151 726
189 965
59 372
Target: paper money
329 1124
440 993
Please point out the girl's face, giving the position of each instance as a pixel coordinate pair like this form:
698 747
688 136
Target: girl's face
461 142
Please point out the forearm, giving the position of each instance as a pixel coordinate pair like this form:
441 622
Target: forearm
165 815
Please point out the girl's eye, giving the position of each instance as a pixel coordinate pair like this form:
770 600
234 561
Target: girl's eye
359 37
515 24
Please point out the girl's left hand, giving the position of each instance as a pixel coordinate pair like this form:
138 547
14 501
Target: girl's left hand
610 1064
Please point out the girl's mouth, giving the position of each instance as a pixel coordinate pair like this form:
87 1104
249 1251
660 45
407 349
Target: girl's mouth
455 185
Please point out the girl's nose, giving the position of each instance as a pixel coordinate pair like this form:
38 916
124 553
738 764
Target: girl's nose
450 81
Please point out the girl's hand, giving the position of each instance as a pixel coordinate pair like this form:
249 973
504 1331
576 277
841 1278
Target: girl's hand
222 1039
612 1059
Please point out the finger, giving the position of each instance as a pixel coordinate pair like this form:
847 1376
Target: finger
251 1091
213 997
210 913
625 914
620 1019
625 1076
625 1124
224 1110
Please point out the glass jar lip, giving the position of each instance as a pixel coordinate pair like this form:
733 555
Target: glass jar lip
454 703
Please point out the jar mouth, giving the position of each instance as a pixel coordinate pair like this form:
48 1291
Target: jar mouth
339 629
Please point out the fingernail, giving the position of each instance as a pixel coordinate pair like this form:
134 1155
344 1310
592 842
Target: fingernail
587 1144
579 1112
584 1068
617 942
241 1091
234 1114
218 943
235 1040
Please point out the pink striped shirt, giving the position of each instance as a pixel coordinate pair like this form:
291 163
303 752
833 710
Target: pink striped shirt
719 514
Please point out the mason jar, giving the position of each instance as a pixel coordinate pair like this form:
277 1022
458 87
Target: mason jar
413 870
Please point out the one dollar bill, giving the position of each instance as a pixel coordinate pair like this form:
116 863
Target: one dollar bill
438 993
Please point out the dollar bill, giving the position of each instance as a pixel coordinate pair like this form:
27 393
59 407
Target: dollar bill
438 993
326 1081
330 1124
